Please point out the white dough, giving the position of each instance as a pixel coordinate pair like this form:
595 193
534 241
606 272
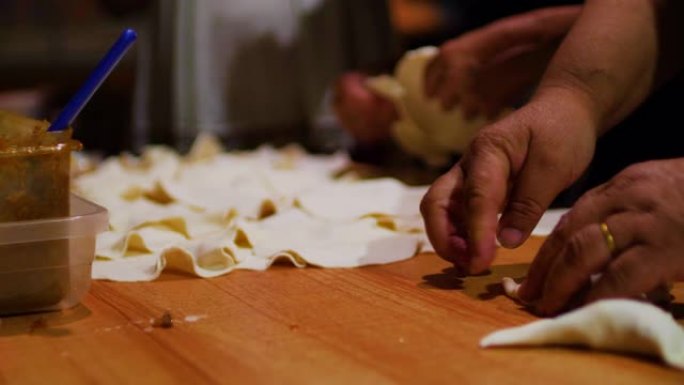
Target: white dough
327 243
424 128
614 325
510 287
210 213
345 201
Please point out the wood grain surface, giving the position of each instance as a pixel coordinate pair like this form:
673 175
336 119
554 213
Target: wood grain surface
409 322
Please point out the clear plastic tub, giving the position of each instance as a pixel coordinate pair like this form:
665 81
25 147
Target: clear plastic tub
45 264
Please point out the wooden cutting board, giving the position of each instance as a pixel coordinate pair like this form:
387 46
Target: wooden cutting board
409 322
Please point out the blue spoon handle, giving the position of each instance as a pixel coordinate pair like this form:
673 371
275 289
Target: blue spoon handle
99 74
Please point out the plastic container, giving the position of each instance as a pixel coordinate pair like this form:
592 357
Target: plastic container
45 264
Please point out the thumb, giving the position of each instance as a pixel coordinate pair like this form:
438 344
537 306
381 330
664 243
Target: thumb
561 146
537 185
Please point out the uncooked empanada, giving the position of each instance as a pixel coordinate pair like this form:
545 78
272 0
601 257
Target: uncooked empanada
616 325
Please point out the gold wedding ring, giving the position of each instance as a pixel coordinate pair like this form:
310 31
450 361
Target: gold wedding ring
608 236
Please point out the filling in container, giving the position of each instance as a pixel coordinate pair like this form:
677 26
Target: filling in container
45 264
46 244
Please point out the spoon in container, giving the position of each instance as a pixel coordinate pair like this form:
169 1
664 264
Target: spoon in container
99 74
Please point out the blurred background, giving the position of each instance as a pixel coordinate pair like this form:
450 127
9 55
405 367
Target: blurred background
256 71
235 68
250 71
48 48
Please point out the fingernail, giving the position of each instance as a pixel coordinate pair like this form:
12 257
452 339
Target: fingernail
510 237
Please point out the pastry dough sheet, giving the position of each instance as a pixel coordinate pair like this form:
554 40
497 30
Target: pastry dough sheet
211 212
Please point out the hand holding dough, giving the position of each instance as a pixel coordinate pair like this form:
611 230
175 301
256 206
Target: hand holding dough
424 128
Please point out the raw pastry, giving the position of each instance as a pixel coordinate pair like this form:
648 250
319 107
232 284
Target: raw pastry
346 201
615 325
424 128
406 131
510 287
327 243
211 213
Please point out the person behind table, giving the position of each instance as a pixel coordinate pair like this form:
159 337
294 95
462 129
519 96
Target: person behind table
512 54
628 229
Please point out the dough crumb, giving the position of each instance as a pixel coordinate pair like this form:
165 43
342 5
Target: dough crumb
193 318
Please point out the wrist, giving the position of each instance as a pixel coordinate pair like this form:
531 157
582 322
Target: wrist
579 105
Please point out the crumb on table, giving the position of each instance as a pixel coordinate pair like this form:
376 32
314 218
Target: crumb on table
165 321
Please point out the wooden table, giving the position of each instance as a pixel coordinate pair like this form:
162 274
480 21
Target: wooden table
409 322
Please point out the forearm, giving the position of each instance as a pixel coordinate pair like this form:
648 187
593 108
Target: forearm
613 57
542 26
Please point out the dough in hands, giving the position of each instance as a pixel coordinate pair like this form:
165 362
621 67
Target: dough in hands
424 128
406 131
616 325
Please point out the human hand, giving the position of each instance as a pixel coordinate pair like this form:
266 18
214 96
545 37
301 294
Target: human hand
515 166
492 68
367 116
643 209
